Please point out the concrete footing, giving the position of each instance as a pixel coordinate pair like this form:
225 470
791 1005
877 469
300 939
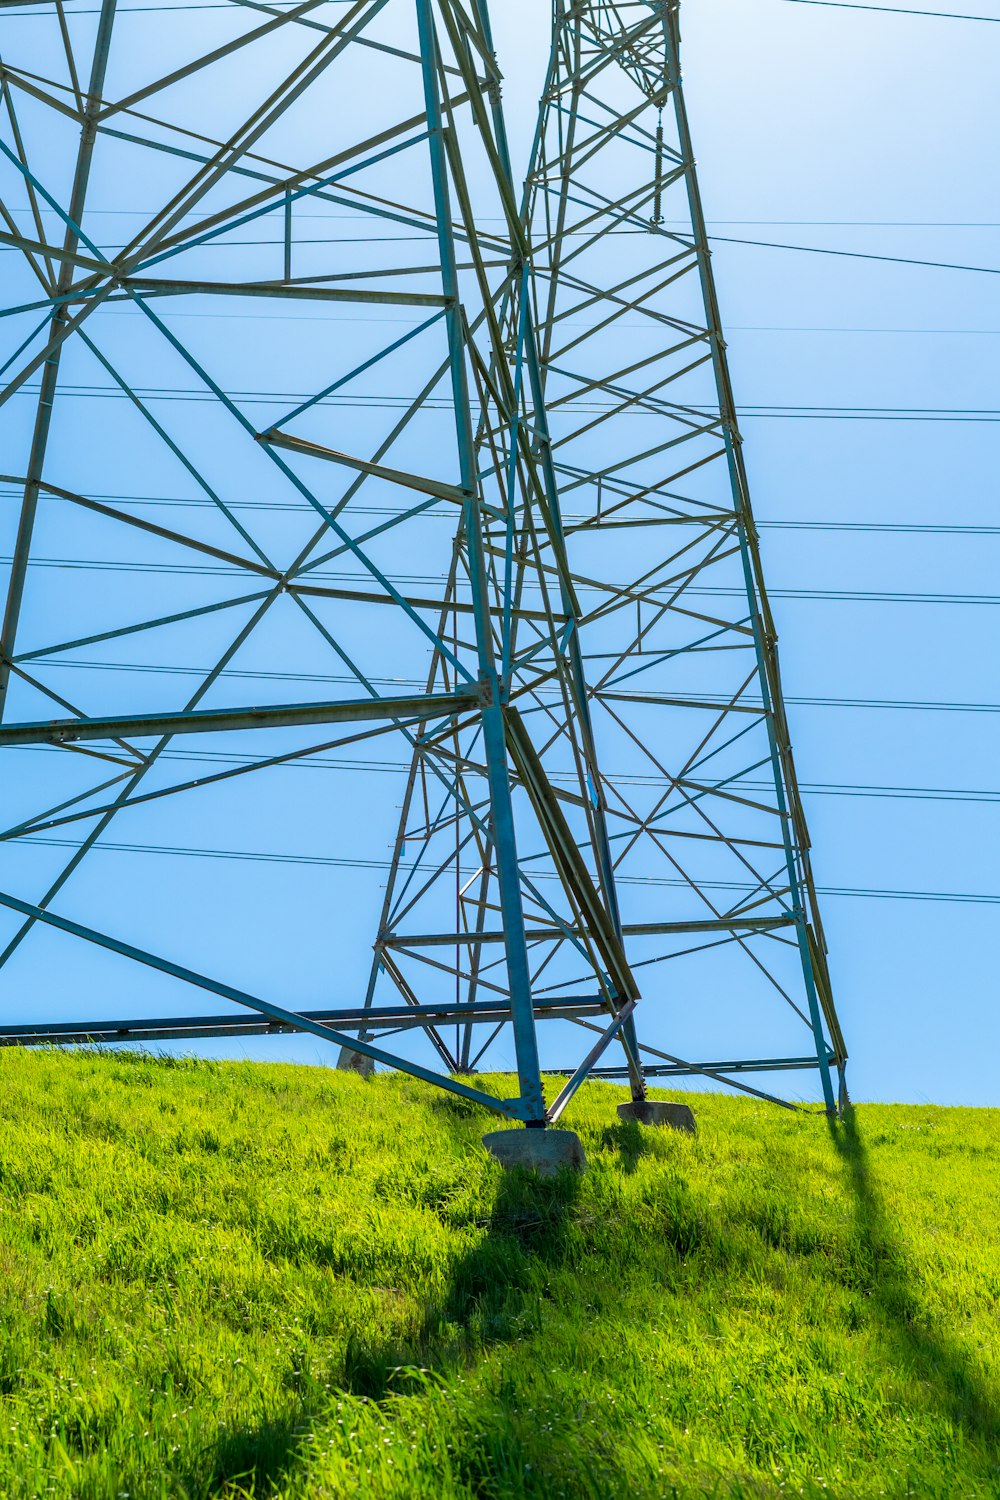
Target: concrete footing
546 1152
355 1062
658 1112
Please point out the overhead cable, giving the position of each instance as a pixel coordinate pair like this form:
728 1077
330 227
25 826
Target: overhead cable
618 778
896 10
569 517
344 862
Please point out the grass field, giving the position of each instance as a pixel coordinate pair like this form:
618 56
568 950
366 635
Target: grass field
248 1280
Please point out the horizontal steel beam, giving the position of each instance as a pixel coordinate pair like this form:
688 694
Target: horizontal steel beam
219 720
661 700
450 605
554 934
698 1070
159 288
394 1017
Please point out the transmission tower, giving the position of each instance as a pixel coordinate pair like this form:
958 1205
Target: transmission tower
699 837
681 657
245 496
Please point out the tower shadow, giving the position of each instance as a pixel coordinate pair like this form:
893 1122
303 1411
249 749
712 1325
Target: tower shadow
493 1294
496 1294
940 1363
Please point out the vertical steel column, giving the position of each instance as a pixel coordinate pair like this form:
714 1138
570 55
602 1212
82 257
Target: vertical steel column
602 842
518 975
50 369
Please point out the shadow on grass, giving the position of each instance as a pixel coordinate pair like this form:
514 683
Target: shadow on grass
495 1295
627 1138
253 1460
939 1362
492 1297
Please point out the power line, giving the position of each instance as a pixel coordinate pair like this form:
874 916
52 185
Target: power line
866 413
746 410
214 570
210 570
910 705
357 216
891 793
31 10
899 260
569 517
895 10
918 528
840 223
792 328
344 862
646 327
220 243
618 778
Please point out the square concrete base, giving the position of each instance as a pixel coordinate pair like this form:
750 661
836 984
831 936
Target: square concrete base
546 1152
350 1061
657 1112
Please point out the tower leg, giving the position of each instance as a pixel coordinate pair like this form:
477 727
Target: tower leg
349 1061
659 1112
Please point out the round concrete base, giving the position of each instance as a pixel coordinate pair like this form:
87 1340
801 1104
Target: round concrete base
658 1112
546 1152
350 1061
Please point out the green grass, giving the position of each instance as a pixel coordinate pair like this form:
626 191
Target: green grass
247 1280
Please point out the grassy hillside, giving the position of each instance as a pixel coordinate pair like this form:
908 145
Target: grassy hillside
249 1280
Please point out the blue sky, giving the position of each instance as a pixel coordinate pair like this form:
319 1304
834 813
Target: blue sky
832 128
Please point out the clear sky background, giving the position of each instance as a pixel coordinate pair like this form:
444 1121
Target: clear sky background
869 403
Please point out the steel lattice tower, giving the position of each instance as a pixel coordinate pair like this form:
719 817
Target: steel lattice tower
509 587
681 657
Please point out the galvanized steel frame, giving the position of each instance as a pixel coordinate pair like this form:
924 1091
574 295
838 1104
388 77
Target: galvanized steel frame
505 729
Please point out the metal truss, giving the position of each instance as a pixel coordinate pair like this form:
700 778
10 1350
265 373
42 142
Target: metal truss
680 646
504 579
638 438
